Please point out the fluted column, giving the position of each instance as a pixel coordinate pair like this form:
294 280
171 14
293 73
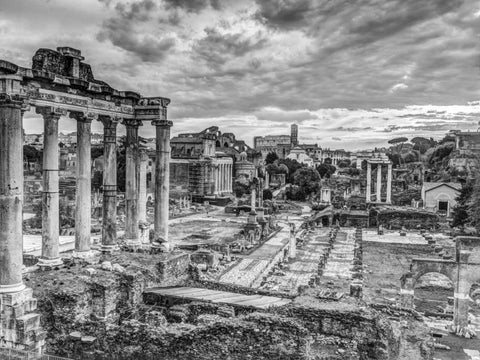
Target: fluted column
162 182
11 192
131 182
83 196
369 183
379 183
217 178
109 209
50 196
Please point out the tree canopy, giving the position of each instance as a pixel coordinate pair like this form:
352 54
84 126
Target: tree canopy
271 157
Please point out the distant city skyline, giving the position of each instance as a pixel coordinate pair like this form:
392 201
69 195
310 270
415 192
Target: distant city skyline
351 74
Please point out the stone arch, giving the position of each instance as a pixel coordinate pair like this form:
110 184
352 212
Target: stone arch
421 267
217 143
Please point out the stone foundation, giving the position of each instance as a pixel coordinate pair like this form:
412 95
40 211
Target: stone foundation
20 325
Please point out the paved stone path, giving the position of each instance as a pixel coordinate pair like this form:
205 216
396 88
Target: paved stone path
254 265
223 297
339 263
299 270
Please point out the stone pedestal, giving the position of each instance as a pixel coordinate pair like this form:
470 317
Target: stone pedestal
20 327
162 183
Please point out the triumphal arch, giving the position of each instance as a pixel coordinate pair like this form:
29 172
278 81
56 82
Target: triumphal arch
60 84
463 272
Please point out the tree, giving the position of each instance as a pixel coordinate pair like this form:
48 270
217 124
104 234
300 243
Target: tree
460 212
292 165
267 194
96 151
399 140
422 144
31 154
326 170
271 157
307 179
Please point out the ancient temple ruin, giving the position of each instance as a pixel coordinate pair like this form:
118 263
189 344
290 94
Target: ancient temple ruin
60 84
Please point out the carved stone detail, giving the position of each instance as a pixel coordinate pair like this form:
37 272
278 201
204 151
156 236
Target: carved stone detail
162 123
83 117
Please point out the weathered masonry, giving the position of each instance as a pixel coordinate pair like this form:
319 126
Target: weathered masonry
464 271
60 84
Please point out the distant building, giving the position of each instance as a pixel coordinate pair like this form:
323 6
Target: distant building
440 197
300 155
294 134
278 144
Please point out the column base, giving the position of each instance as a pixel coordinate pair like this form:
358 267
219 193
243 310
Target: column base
45 263
7 289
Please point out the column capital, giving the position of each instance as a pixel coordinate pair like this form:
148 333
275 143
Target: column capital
132 122
162 123
109 121
50 112
83 117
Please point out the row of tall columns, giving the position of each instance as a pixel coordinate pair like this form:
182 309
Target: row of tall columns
223 179
379 183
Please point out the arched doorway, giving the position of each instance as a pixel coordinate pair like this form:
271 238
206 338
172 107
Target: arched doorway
433 293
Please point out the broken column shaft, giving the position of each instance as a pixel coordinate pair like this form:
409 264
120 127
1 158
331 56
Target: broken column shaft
109 208
50 197
162 182
11 194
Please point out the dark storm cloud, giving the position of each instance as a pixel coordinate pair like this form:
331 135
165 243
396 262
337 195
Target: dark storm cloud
217 48
121 31
284 13
353 129
194 6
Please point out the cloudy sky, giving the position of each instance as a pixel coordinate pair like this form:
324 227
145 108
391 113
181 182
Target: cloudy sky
351 73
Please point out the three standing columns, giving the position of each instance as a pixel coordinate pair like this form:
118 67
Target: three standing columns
83 206
50 197
379 182
162 183
11 194
109 208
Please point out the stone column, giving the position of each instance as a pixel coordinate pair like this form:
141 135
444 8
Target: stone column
83 195
109 208
162 182
379 183
50 197
369 183
131 182
253 199
389 183
142 188
11 193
